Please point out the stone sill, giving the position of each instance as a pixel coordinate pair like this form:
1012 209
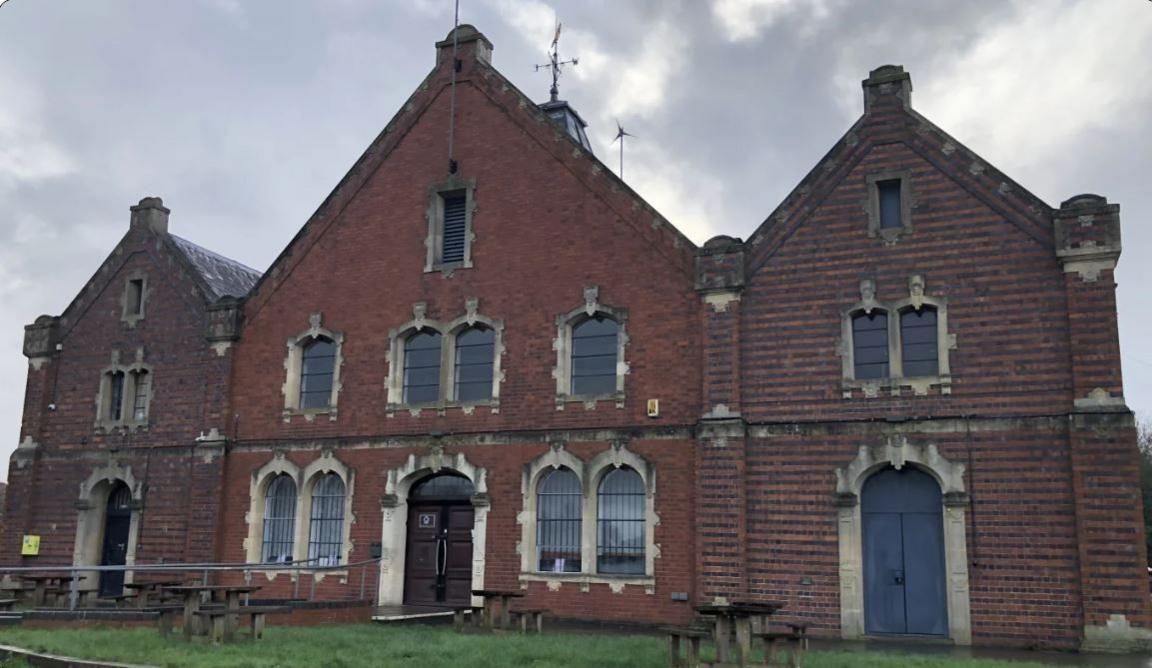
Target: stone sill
112 427
589 400
872 388
441 407
310 414
615 582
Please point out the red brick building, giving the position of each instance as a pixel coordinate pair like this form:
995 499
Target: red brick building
896 408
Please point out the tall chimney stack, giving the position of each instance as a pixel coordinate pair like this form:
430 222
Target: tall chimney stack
152 214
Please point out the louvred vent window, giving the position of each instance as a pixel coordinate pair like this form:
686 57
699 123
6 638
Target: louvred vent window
455 228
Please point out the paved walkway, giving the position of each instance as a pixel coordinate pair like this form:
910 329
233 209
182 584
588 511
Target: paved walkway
942 649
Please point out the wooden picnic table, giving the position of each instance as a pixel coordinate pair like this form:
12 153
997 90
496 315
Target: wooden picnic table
193 593
491 596
736 616
41 584
145 590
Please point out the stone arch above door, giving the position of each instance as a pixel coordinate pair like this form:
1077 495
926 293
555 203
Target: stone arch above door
898 453
394 508
91 507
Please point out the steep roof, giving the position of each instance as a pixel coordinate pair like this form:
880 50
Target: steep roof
223 277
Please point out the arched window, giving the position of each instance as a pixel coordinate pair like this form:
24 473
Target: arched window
475 347
279 520
141 383
115 396
422 368
316 371
870 344
620 523
558 522
918 340
326 532
443 486
594 351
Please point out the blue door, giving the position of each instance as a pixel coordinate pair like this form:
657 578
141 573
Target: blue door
903 554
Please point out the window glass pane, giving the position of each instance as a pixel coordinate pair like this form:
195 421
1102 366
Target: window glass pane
326 533
889 192
620 523
595 345
558 511
870 345
455 227
279 520
443 486
918 339
140 401
475 351
422 368
116 396
135 296
317 368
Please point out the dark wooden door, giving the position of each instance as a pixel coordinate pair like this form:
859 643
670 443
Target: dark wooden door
114 552
438 563
904 577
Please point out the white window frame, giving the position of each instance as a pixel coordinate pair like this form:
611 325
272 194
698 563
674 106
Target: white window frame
294 367
435 217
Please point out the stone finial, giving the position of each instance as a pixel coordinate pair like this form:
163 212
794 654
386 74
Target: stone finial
150 213
591 299
916 291
868 294
887 82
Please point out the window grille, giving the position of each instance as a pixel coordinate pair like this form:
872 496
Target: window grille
455 227
594 349
870 345
316 373
620 523
279 520
140 399
558 522
326 533
422 368
475 348
918 338
891 215
115 396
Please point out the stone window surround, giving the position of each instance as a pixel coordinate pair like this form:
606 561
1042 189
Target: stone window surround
394 511
294 365
435 217
896 380
907 203
305 479
850 480
562 344
448 331
92 507
590 474
128 396
127 318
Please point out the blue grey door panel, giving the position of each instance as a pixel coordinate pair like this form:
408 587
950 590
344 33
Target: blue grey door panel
883 574
925 598
903 545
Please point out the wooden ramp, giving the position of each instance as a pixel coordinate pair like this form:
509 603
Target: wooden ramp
401 613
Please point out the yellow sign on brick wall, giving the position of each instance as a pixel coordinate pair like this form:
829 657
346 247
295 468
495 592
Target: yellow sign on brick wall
31 546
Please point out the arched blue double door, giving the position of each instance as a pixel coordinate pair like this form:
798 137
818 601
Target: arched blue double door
904 575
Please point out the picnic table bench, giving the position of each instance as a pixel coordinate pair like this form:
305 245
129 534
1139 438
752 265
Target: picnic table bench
223 631
737 616
7 603
491 598
796 641
526 616
687 637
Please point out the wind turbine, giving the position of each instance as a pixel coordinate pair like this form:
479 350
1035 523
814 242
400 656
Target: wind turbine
620 135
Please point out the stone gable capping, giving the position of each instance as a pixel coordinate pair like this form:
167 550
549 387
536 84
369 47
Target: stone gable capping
41 337
1087 230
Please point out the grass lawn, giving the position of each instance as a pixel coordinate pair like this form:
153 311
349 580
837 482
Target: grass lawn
374 646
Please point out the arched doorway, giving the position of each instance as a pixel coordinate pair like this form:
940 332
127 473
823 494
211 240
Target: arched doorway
438 563
903 535
114 550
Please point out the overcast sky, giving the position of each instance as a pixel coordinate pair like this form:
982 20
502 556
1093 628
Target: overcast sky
243 115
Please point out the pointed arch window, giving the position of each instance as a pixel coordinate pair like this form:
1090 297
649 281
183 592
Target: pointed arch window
594 354
115 396
326 530
870 344
558 522
422 368
142 386
279 520
620 523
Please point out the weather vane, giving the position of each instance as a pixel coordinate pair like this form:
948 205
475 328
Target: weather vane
620 135
555 63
